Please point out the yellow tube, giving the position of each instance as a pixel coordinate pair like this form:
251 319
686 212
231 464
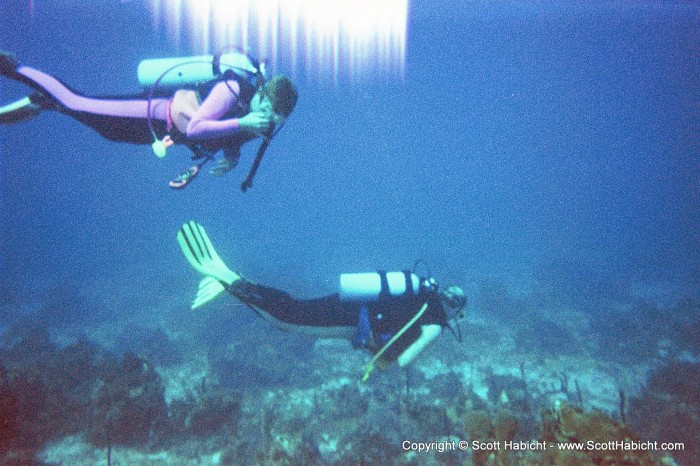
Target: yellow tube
370 366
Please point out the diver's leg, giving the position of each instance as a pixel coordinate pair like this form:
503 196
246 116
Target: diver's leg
327 311
326 316
119 119
127 108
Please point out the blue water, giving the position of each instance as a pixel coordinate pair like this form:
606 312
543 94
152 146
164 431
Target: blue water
554 142
544 156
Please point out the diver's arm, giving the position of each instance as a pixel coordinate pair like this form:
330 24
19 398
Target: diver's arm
256 123
427 334
206 122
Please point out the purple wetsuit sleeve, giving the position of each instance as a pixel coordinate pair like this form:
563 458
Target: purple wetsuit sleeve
206 122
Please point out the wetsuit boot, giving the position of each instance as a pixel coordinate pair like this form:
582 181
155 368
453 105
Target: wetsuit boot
21 110
8 64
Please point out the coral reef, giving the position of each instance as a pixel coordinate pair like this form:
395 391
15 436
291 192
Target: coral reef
48 392
214 412
568 424
490 428
280 400
152 344
686 332
668 408
561 424
508 389
42 390
647 332
128 407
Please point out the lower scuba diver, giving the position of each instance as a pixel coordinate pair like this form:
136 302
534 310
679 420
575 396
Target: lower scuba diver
208 104
394 315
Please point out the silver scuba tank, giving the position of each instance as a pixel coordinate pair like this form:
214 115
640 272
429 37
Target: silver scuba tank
368 286
188 71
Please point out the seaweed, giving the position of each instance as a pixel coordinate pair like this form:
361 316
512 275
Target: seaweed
152 344
668 408
486 427
216 411
47 393
567 424
128 406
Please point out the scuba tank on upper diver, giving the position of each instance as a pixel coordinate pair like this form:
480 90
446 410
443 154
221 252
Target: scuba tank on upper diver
186 72
371 286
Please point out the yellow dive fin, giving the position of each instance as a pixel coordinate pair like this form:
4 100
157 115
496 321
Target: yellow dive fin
200 253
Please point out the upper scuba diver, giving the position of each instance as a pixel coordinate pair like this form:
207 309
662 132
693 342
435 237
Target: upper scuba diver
395 315
208 104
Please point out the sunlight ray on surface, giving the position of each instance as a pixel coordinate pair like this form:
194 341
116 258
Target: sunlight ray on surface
329 40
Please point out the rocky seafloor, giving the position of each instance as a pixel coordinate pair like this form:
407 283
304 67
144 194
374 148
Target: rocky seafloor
167 386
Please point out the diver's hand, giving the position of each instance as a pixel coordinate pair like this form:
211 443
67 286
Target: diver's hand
256 122
224 166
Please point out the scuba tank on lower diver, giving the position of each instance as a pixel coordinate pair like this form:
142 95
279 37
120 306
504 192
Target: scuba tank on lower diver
371 286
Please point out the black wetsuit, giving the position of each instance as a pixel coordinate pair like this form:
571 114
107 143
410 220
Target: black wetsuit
386 316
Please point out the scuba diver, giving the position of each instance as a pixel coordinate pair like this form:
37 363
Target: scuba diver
208 103
394 315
